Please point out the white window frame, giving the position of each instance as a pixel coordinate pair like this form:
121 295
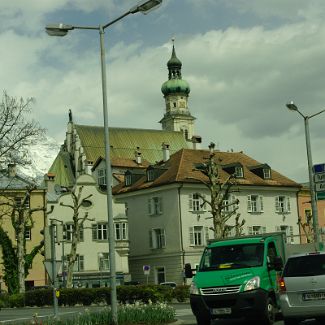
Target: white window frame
255 203
196 202
69 232
100 231
128 180
288 230
155 206
121 230
266 173
199 235
28 233
103 262
256 230
157 238
18 201
230 200
282 204
239 173
79 264
101 176
150 175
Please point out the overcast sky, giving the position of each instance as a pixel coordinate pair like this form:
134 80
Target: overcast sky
244 60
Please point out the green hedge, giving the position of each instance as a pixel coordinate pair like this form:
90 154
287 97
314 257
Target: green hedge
88 296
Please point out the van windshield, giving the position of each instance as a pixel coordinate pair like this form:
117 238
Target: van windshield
232 257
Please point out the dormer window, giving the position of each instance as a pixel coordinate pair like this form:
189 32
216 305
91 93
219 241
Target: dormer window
150 175
266 173
128 180
239 172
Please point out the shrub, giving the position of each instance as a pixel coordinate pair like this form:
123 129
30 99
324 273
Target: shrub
17 300
39 297
181 293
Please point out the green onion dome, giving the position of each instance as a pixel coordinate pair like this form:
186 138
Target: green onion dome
173 86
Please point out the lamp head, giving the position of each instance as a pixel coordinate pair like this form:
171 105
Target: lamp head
145 6
291 105
58 29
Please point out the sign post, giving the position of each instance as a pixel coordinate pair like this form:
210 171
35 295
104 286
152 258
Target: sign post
319 179
146 271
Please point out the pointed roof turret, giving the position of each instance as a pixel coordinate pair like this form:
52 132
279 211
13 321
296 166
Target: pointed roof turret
175 83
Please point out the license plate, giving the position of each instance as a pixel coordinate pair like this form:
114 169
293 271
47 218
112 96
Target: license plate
313 296
221 311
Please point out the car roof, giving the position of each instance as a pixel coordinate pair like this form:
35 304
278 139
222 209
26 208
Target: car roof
307 254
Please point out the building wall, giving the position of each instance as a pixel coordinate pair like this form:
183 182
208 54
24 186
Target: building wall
88 248
304 207
37 274
177 219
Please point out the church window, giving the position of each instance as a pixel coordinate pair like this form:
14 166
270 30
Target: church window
174 104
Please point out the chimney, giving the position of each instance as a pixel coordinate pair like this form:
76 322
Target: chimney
138 158
196 141
49 182
211 147
166 154
12 170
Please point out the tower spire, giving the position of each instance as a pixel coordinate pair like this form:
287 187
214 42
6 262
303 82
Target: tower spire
176 91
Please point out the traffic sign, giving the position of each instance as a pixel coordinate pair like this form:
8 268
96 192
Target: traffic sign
48 267
320 195
319 177
146 269
319 168
320 187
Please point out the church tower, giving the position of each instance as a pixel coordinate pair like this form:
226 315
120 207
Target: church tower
176 92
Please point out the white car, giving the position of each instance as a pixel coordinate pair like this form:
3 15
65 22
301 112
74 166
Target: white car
302 288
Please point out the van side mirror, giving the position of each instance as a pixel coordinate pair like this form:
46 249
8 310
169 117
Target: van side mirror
275 263
188 271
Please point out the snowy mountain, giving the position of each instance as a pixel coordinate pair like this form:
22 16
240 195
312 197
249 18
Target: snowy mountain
42 156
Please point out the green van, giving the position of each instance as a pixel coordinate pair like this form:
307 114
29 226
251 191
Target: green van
237 277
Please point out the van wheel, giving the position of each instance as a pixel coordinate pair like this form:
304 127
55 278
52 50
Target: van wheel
203 319
268 317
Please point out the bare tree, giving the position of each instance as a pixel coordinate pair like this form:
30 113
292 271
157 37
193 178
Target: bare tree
16 132
77 226
307 227
222 204
20 213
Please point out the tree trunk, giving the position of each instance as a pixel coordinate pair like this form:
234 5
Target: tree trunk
21 257
71 260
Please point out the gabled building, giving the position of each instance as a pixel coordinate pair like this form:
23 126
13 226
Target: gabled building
92 268
169 224
131 149
13 188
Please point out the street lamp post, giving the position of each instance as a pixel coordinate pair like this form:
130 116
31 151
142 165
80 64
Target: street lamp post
291 106
61 30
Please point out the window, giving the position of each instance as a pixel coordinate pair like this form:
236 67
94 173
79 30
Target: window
19 201
100 231
196 202
266 173
128 180
256 230
150 175
28 233
101 177
69 232
230 204
79 264
160 274
103 261
155 206
255 203
239 172
86 203
199 235
121 232
288 230
282 204
157 238
126 209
